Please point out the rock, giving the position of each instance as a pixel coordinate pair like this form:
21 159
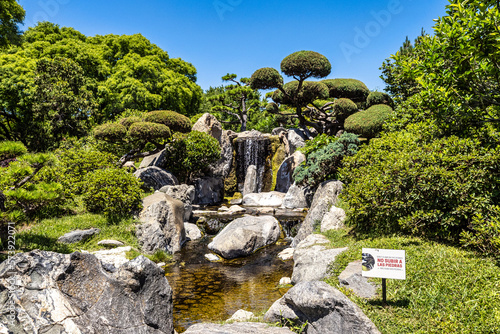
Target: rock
250 185
237 328
325 196
242 315
285 281
208 124
212 257
333 219
352 278
192 232
129 165
163 224
209 191
312 240
286 254
78 235
269 199
115 257
284 176
312 258
155 160
236 201
294 198
155 177
183 193
110 243
325 309
244 236
223 209
71 293
213 226
236 209
277 131
296 139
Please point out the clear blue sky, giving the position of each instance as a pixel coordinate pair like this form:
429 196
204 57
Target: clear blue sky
240 36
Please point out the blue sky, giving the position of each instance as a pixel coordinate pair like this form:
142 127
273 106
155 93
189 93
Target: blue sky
241 36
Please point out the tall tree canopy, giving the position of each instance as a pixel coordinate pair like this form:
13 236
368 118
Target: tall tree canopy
114 73
11 14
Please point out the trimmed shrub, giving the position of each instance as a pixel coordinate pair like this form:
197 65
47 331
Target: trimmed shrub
432 188
343 108
266 78
378 98
149 132
128 121
110 132
368 123
311 90
112 191
304 64
351 89
175 121
323 164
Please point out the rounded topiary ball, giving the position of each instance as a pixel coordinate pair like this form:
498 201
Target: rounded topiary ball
266 78
306 64
175 121
148 131
351 89
375 98
343 108
110 132
368 123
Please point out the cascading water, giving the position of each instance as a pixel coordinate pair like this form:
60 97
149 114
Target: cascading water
253 150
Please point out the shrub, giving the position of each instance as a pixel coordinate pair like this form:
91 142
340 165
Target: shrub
128 121
343 108
323 164
175 121
403 182
266 78
112 191
378 98
316 143
368 123
311 90
148 132
11 149
190 153
110 132
484 233
306 63
351 89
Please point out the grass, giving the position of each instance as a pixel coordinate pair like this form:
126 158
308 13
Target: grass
447 289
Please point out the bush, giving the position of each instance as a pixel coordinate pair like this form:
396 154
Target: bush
351 89
190 153
149 132
302 63
485 232
11 149
368 123
405 182
378 98
266 78
311 90
128 121
110 132
175 121
316 143
323 164
343 108
112 191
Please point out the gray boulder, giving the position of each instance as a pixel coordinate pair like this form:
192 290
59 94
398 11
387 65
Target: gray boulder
244 236
296 138
295 198
183 193
352 278
250 185
162 225
325 309
277 131
78 235
209 191
71 293
155 160
284 177
268 199
155 177
110 243
333 219
326 195
237 328
311 259
193 232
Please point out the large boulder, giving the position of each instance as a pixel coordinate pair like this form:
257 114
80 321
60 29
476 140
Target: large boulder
162 227
78 235
296 138
208 124
333 219
352 278
325 309
295 198
284 177
237 328
269 199
183 193
155 160
312 258
209 191
244 236
326 195
72 293
155 177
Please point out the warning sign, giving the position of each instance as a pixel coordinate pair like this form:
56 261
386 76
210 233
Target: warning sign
384 263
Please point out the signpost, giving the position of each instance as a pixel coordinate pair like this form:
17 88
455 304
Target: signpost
384 263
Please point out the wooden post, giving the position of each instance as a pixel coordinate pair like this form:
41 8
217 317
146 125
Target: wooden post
384 291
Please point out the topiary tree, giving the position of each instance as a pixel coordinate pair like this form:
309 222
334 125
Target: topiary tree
298 94
352 89
368 123
378 98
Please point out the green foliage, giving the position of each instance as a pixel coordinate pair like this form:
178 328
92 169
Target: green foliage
432 188
110 131
309 91
306 64
113 192
368 123
11 149
343 108
316 143
266 78
148 132
378 98
11 14
323 164
191 153
352 89
485 232
128 121
175 121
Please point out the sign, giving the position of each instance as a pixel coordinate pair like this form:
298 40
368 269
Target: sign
384 263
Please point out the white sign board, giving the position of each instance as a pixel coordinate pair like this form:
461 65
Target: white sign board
384 263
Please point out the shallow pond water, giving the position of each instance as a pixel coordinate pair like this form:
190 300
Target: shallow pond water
206 291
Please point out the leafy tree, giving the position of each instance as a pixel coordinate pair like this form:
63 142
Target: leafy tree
11 14
237 100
